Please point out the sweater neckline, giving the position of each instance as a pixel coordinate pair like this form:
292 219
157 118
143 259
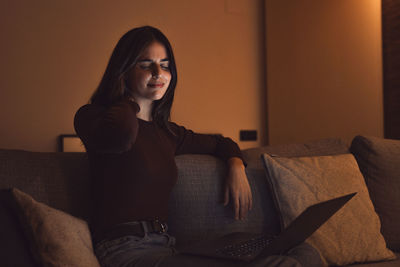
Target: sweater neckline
144 121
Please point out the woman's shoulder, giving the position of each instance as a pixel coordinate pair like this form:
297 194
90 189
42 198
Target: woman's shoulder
88 110
178 129
173 124
120 105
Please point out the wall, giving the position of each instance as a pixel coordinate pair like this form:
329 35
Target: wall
53 54
324 69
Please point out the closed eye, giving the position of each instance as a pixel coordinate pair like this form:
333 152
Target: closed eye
165 65
146 64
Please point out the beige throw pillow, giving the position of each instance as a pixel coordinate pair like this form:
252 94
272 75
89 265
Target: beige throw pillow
57 238
353 233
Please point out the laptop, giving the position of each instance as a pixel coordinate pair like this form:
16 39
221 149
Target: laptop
248 246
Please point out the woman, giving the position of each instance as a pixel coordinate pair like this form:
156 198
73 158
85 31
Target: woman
131 146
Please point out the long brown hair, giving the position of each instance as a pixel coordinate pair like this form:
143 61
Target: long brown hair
112 87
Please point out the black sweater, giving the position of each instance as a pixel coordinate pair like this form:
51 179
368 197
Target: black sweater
132 161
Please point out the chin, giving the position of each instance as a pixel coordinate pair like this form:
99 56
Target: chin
158 96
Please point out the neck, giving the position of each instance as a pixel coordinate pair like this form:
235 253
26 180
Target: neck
146 108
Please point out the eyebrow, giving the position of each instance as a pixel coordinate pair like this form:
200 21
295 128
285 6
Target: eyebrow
149 60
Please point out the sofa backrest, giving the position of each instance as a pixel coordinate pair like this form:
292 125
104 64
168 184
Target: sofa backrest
196 211
62 181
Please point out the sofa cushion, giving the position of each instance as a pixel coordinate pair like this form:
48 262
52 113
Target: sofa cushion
14 245
379 161
346 237
56 238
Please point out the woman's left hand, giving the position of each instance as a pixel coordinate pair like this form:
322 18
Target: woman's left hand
238 188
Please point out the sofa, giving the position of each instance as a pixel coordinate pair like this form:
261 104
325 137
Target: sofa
62 181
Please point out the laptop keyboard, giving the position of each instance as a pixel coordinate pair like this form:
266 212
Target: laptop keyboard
246 249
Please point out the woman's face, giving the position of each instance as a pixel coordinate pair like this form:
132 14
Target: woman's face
150 77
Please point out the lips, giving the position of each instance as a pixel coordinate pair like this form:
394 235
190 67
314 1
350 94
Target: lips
156 85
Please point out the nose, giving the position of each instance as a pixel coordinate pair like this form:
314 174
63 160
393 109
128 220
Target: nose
156 71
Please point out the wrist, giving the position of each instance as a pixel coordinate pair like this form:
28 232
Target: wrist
235 162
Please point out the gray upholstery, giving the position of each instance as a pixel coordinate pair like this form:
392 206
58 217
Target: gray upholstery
196 210
329 146
59 179
195 207
379 161
62 180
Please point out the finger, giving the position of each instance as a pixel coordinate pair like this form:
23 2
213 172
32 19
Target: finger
226 196
250 201
237 206
244 205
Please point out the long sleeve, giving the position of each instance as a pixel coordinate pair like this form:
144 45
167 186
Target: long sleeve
107 130
188 142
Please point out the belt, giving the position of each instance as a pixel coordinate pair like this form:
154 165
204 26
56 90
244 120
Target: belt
137 228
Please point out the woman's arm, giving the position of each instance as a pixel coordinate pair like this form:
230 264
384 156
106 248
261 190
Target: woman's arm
236 185
189 142
237 188
107 130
